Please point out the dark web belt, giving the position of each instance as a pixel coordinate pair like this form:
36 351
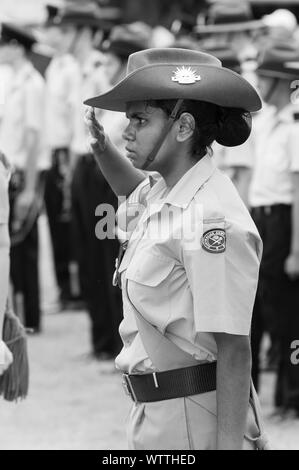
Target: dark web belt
171 384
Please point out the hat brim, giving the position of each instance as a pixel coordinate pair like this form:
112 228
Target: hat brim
216 85
229 27
283 74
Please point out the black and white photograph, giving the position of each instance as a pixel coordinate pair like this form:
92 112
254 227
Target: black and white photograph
149 227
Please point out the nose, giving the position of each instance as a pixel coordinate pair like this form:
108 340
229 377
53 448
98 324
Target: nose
129 133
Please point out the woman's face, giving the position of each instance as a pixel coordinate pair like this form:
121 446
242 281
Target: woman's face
143 132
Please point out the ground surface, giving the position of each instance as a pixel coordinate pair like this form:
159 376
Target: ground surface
76 403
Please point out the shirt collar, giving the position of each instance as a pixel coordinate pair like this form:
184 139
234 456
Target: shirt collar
186 188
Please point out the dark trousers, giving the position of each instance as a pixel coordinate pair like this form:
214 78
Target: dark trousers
58 206
24 259
276 308
96 258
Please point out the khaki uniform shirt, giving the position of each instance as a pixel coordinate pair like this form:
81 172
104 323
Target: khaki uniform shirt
191 265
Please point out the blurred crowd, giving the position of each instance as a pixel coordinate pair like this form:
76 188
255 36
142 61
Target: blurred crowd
48 70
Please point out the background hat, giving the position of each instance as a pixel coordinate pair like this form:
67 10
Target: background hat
12 34
279 60
229 16
155 74
52 11
79 15
228 58
124 40
281 18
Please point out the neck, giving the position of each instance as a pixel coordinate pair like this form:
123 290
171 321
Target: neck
177 168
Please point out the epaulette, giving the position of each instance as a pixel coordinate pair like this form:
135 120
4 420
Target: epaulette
296 116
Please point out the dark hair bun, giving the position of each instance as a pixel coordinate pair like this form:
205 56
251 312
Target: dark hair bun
234 126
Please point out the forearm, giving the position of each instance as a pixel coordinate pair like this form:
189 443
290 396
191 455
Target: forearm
118 171
31 145
233 385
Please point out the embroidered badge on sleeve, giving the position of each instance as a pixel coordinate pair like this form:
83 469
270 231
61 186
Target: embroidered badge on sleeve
214 241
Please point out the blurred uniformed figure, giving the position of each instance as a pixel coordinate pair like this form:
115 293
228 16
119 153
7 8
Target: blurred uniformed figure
62 95
274 199
231 22
22 141
90 189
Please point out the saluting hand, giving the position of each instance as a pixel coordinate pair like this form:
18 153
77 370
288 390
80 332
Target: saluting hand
291 266
98 138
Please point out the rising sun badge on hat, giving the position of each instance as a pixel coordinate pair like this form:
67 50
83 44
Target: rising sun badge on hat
185 76
214 241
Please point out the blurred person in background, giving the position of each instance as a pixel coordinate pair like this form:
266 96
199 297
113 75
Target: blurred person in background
22 141
231 22
103 299
274 199
5 354
89 189
63 78
84 24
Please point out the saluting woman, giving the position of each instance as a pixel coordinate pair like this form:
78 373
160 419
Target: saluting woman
190 269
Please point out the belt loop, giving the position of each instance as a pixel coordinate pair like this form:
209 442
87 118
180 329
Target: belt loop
155 380
128 387
268 210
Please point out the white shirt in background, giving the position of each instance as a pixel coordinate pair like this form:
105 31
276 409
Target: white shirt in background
6 75
62 92
93 82
23 111
276 143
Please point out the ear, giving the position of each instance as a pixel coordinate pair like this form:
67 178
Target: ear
186 127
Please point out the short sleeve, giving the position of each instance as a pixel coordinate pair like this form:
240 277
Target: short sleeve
223 283
293 144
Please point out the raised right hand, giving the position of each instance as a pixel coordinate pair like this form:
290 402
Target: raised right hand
98 138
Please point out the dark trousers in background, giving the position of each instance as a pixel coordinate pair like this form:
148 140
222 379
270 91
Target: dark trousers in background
276 308
96 257
24 256
58 205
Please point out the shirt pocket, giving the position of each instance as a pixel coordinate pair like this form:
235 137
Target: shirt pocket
149 270
149 287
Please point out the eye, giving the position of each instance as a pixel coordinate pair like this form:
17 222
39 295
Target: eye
141 121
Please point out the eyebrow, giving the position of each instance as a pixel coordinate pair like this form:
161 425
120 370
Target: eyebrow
135 114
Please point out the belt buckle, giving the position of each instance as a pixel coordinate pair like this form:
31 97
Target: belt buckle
127 386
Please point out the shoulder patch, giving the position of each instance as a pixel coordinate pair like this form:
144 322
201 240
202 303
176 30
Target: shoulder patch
214 241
